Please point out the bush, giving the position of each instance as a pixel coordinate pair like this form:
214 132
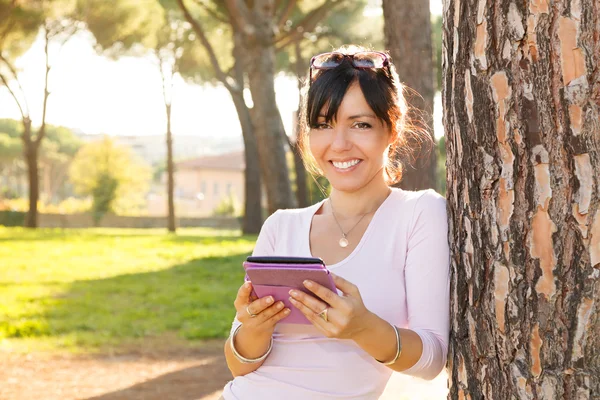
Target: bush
104 195
12 218
227 207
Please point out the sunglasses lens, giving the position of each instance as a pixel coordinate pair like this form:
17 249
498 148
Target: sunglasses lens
369 59
328 60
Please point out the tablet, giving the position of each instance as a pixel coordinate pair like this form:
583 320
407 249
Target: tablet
276 276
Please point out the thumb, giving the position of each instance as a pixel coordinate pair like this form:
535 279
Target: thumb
249 292
345 286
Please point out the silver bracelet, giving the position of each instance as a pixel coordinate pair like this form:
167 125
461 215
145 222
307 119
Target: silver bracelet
243 359
398 348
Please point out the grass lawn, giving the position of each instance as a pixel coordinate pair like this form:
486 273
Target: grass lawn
92 288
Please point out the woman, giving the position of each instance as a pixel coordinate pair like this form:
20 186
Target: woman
387 249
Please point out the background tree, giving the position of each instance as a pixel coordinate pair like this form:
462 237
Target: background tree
144 28
115 177
56 153
56 22
58 150
521 114
256 41
408 39
172 44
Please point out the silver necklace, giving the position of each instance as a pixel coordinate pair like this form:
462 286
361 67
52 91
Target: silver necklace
343 242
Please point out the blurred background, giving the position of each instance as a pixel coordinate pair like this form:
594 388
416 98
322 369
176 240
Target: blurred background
142 145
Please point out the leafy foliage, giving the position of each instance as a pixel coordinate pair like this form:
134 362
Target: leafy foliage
436 41
104 161
227 207
120 27
104 195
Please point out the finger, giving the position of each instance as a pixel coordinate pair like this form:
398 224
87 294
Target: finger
309 301
274 313
311 315
258 306
324 294
244 294
344 285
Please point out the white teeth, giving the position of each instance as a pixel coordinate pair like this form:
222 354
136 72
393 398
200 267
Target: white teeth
346 164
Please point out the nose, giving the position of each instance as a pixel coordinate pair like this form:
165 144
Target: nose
340 141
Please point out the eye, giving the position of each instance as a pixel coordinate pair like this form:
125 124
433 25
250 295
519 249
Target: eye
321 126
362 125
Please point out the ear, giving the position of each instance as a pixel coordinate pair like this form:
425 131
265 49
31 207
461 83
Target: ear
392 136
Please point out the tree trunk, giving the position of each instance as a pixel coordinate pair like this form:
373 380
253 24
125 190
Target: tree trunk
253 218
269 131
170 174
301 185
252 181
521 111
408 37
30 151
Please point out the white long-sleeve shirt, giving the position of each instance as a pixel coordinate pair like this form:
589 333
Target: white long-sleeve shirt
401 267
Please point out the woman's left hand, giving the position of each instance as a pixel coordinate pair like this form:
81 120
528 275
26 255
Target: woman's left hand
346 315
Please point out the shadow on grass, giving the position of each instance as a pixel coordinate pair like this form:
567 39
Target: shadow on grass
19 234
192 300
186 384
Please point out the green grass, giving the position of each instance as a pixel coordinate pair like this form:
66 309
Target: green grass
87 289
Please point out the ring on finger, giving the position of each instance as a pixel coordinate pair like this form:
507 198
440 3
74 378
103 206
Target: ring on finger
249 313
323 314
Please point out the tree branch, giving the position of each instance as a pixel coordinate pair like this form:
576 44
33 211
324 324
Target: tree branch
213 13
42 130
5 81
204 40
240 16
308 23
283 17
13 71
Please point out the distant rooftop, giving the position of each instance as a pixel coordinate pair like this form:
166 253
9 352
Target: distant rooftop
228 161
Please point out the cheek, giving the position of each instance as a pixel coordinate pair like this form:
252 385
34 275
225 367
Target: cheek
316 146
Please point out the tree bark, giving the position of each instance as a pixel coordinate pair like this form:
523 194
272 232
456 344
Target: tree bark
408 37
301 185
171 225
521 110
253 187
30 152
268 126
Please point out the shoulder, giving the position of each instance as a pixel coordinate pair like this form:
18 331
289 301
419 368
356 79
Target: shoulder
426 208
283 217
422 200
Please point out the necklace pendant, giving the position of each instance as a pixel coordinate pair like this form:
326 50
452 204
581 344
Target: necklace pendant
343 242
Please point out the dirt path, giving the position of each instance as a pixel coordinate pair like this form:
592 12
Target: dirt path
148 374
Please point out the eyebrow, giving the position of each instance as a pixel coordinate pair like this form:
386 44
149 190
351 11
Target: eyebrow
357 116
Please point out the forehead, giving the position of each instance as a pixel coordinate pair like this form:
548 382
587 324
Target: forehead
353 103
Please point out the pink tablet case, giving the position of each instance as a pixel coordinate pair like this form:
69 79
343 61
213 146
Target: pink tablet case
277 279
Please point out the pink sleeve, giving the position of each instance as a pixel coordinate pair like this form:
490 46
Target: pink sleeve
265 246
427 277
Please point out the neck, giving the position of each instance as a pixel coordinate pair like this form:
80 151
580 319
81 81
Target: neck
360 202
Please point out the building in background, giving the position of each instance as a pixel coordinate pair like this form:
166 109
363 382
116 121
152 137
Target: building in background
202 183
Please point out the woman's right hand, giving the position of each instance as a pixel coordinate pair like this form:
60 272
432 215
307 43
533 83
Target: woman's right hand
266 314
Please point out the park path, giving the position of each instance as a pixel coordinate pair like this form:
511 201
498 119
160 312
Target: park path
179 374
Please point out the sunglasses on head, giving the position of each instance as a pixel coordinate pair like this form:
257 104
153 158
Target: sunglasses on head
362 59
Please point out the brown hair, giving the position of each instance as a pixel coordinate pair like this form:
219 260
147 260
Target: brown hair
384 94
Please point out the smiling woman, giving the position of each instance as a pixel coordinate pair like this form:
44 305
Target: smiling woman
387 249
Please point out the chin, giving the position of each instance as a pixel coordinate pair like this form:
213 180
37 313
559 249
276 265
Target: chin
347 185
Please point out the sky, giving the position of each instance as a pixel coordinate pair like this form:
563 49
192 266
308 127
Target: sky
93 94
